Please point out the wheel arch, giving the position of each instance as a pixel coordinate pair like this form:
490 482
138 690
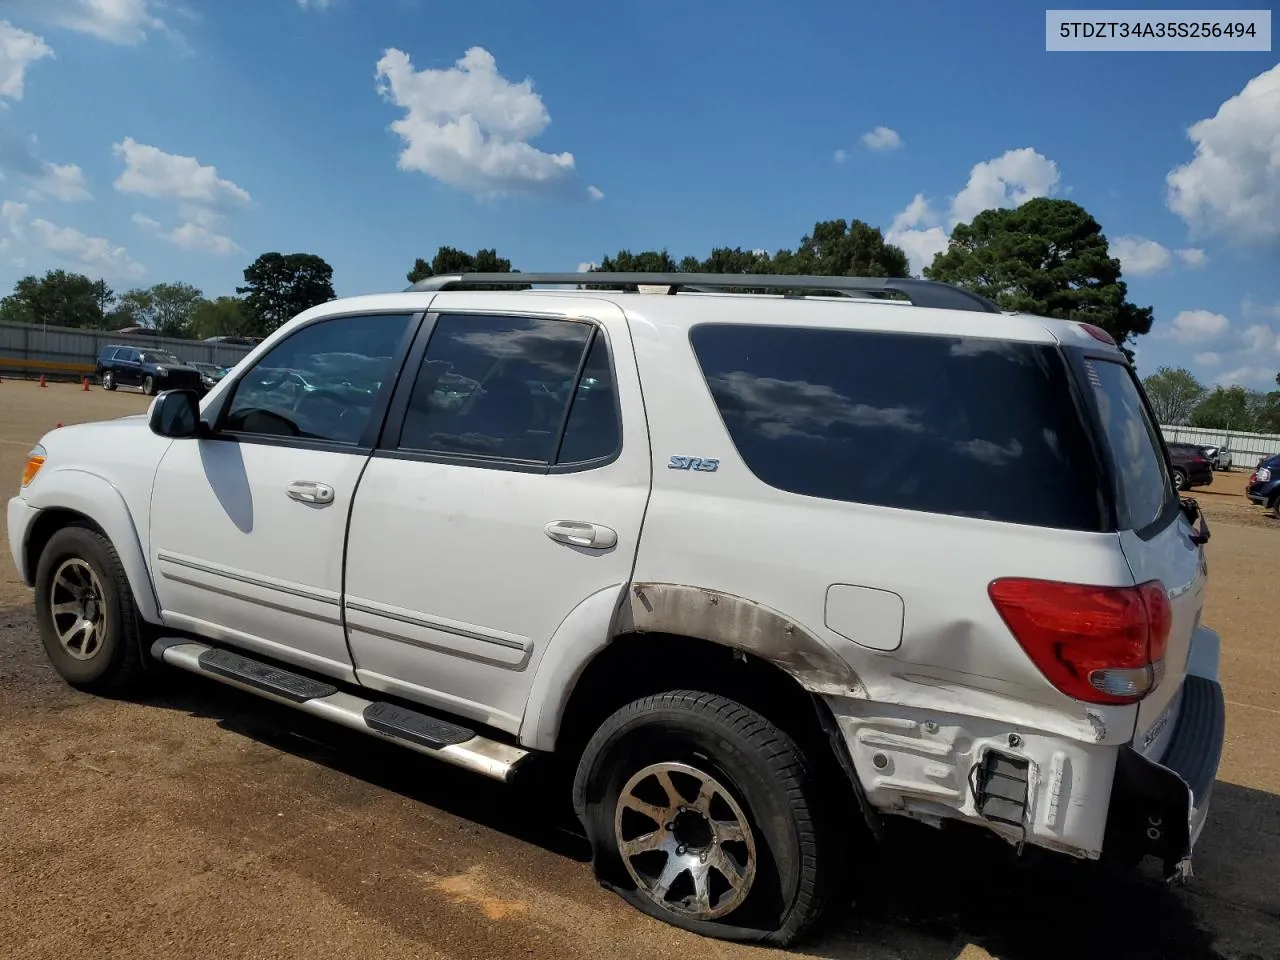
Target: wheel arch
75 497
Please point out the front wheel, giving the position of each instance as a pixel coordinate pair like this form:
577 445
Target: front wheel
86 614
700 813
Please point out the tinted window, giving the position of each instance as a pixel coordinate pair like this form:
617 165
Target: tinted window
495 387
127 355
954 425
592 432
160 356
319 383
1142 484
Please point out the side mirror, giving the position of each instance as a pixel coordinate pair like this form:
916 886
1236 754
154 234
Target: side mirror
176 414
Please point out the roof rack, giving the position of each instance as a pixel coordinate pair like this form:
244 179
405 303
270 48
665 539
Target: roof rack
921 293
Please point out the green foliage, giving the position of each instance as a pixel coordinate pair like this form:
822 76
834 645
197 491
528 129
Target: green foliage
1225 408
280 286
1048 257
450 260
1173 394
223 317
59 299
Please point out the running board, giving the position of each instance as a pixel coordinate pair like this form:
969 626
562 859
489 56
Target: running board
425 734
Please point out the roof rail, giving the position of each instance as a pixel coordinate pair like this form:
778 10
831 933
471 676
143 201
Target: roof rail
921 293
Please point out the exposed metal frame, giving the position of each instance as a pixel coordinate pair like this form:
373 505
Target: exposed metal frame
921 293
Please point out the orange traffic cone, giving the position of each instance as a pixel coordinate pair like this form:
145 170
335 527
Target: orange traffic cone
42 383
56 425
86 384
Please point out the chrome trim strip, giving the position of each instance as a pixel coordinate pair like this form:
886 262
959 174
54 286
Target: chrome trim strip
441 625
291 589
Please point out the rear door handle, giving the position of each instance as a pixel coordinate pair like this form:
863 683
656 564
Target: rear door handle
308 491
578 533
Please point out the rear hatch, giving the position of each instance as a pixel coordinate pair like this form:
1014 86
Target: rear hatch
1154 532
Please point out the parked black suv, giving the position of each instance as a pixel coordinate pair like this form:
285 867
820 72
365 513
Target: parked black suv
152 370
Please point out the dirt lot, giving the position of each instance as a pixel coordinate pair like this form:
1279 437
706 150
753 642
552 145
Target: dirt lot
206 823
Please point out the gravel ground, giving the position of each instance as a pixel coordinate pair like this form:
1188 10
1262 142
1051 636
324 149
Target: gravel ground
204 822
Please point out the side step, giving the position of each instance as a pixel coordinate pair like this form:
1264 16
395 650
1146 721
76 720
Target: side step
425 734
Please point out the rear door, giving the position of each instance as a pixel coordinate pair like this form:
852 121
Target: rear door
126 367
506 492
1154 533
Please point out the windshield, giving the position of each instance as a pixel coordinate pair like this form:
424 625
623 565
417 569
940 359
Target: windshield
1142 484
159 356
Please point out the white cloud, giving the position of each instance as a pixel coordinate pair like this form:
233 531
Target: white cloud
470 127
151 172
921 243
1010 180
116 21
63 181
196 233
1232 184
840 156
1192 256
1207 359
1247 376
1139 256
95 254
1252 310
314 4
588 265
882 138
1197 326
595 193
192 236
18 51
1259 338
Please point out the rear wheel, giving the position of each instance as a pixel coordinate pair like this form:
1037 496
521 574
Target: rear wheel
108 381
1179 478
85 612
701 813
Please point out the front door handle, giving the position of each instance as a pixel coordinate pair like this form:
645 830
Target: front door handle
308 491
578 533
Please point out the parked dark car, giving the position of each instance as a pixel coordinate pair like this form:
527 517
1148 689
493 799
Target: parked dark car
151 370
1191 468
1263 487
210 373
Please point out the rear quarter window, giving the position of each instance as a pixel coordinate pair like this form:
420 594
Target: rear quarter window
949 425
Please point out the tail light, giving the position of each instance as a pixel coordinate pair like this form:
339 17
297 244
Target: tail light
1097 644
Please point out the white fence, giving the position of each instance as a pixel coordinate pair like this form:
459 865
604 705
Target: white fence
1246 449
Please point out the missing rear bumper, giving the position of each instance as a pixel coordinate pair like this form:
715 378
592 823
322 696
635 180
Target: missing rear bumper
1159 808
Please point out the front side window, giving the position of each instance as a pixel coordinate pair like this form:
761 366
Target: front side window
942 424
499 387
320 383
1142 485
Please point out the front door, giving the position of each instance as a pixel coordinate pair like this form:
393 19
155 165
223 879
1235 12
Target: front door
247 525
507 493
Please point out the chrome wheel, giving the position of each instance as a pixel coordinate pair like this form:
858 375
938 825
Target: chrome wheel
108 382
685 841
78 609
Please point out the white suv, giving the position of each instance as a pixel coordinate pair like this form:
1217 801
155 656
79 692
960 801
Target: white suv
765 568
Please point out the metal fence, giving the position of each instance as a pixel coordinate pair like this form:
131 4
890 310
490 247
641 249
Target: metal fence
33 350
1246 449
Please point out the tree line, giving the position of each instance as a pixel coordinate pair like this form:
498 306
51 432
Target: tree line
1179 399
1048 257
277 286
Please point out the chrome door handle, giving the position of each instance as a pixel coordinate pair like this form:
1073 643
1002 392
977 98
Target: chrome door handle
578 533
308 491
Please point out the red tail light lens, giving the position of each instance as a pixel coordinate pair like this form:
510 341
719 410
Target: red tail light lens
1097 644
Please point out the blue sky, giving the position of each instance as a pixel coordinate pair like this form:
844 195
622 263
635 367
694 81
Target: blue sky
157 140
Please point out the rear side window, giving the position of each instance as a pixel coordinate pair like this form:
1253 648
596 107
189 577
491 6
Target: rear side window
950 425
1142 485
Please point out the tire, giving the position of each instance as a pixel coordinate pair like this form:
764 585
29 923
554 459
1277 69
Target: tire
149 386
1273 508
759 778
1179 478
109 661
108 381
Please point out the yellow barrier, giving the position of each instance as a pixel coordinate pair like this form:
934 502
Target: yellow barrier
56 366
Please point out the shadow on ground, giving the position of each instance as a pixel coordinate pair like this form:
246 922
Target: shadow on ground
925 895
